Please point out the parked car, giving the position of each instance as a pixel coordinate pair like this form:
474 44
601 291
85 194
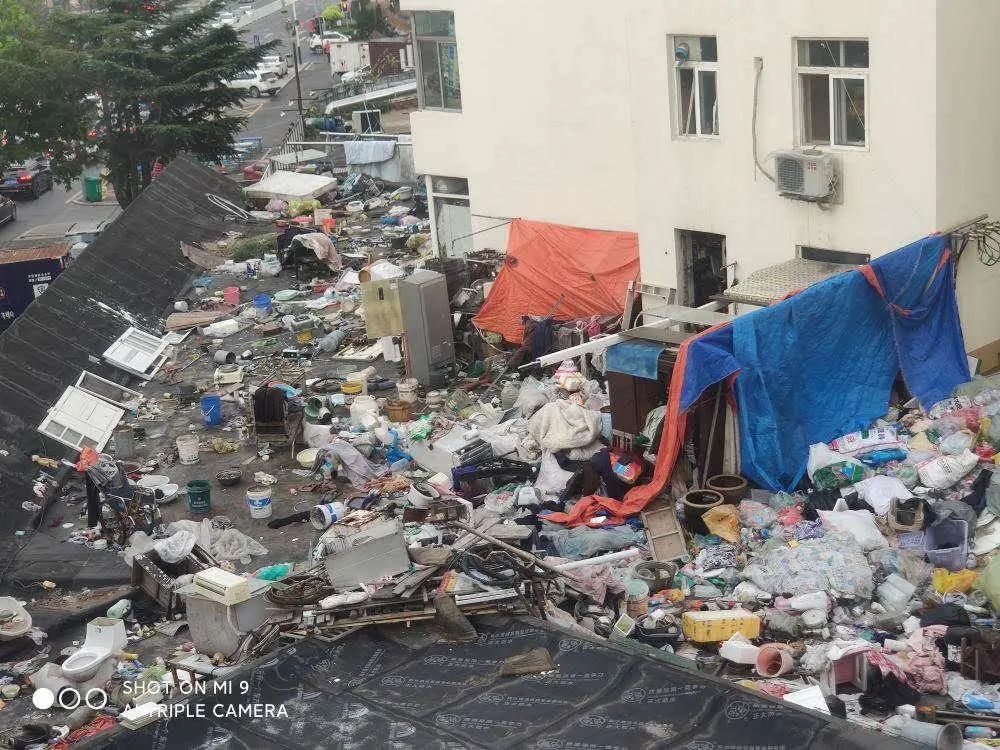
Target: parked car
225 18
8 210
31 178
255 83
273 64
318 42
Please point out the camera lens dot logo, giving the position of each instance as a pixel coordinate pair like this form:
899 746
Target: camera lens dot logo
43 699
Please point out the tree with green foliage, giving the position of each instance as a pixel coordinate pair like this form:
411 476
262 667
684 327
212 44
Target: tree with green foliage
332 13
368 19
144 79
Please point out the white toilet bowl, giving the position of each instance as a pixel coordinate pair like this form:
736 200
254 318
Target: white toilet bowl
106 637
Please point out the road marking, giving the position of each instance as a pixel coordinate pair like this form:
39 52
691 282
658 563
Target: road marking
74 198
255 110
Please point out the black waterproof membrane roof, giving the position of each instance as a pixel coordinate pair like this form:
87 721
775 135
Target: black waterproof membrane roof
128 276
378 688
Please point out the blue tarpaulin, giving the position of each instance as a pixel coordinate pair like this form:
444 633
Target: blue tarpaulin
821 363
638 358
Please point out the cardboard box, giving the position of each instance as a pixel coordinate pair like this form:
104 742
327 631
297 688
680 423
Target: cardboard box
719 625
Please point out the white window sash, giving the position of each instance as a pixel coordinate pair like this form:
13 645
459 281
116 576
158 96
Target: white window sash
835 110
696 68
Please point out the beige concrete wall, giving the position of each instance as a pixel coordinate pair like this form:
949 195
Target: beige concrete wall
713 185
968 152
544 131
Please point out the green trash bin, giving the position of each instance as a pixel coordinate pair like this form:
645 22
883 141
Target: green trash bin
199 494
93 189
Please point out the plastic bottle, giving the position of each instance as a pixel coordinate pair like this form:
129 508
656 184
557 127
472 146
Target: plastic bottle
977 702
979 733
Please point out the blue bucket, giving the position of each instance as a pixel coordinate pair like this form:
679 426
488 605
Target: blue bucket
211 410
262 305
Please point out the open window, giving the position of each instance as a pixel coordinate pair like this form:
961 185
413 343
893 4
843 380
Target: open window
80 419
440 86
833 91
109 391
138 353
696 97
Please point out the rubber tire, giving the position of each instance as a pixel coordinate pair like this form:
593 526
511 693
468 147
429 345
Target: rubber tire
255 92
35 192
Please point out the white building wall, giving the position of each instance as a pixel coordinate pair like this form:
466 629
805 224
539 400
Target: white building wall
968 155
544 131
713 185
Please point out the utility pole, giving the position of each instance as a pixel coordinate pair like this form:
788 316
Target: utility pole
293 28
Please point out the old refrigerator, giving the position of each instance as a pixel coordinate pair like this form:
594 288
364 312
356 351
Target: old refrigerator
430 340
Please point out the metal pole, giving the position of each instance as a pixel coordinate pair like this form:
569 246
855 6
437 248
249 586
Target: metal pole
293 28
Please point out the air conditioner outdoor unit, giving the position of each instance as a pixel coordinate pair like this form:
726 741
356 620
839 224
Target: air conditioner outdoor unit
806 175
229 587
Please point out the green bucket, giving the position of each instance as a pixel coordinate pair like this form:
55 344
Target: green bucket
199 494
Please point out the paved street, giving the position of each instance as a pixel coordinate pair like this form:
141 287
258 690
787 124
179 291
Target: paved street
57 205
269 118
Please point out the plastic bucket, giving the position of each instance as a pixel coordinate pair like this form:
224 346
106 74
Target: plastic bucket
231 295
772 660
938 736
259 501
187 449
262 305
946 544
407 390
638 598
199 494
211 409
324 515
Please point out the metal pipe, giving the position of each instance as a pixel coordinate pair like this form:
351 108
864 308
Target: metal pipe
526 556
624 554
954 228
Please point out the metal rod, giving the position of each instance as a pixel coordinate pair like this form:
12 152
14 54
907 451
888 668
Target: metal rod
526 556
954 228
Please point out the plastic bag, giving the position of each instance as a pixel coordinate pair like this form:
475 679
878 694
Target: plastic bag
175 547
756 515
860 524
957 442
552 478
989 582
944 471
879 492
723 521
948 405
531 397
829 470
946 582
865 441
583 541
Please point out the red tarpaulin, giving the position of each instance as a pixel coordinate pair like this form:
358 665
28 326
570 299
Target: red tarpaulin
552 269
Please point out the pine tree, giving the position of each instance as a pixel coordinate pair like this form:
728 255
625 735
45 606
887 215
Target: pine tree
153 70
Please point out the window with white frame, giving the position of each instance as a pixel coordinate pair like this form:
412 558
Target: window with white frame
452 215
437 60
696 98
833 91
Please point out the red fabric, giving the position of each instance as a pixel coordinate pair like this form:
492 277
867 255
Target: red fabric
674 430
552 269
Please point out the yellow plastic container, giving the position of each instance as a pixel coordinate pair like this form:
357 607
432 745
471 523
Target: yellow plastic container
721 625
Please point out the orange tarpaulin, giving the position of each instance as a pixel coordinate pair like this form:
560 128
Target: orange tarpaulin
553 269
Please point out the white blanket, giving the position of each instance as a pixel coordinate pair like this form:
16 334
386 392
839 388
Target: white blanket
561 424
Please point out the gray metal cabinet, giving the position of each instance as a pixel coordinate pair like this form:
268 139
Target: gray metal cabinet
430 340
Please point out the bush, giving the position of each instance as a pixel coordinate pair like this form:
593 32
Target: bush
253 247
